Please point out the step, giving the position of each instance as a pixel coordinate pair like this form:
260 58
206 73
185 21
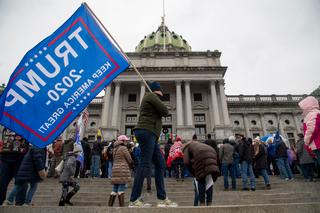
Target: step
256 208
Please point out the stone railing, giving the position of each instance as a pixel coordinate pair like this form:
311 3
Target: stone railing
264 98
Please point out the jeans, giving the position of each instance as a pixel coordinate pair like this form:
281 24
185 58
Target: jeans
95 166
265 175
203 195
307 170
178 168
246 169
150 152
8 171
17 189
119 188
236 165
284 168
226 169
110 165
317 152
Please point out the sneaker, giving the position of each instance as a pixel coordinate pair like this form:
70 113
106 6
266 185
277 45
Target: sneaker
291 179
139 204
268 186
286 179
253 189
7 203
245 189
166 203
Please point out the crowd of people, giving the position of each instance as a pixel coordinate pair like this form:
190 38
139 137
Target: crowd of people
122 160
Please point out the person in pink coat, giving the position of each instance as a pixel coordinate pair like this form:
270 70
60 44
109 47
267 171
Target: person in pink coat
311 124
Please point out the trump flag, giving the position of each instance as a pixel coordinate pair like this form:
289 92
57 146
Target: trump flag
58 78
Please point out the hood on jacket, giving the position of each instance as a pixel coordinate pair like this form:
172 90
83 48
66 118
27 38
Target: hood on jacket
118 143
186 145
308 104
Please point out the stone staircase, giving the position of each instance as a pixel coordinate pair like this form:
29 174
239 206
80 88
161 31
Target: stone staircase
94 194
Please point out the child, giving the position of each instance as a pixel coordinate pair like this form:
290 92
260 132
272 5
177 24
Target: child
121 174
67 174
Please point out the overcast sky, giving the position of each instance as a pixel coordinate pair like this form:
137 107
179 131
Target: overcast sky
269 46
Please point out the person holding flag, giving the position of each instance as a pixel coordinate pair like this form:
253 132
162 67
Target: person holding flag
147 133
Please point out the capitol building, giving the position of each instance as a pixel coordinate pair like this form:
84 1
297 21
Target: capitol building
194 92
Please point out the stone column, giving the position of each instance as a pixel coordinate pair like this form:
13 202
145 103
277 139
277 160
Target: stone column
115 110
297 122
263 124
224 103
179 104
188 104
142 90
106 106
280 124
246 125
214 99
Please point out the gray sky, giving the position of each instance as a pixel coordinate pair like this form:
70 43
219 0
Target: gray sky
269 46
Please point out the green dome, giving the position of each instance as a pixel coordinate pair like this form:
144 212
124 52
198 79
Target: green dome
157 42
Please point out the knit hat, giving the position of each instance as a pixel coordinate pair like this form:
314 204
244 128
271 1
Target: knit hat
123 138
155 86
77 148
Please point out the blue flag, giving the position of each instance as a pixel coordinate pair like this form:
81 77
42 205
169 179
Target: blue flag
58 78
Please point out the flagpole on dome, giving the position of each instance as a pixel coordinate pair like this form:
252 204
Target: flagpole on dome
122 52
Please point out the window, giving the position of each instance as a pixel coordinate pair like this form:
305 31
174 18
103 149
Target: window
237 123
132 97
254 135
166 119
131 118
129 130
93 124
287 122
200 129
166 97
197 97
270 122
253 122
199 117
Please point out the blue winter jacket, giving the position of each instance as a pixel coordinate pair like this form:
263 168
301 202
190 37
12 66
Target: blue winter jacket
32 163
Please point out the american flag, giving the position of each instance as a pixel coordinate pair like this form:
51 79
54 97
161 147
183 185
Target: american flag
85 116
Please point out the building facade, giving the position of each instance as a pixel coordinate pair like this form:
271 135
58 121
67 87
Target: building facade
194 92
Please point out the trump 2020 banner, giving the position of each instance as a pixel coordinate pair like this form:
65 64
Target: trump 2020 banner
58 78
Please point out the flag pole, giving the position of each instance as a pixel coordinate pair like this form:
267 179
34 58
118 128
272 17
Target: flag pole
123 53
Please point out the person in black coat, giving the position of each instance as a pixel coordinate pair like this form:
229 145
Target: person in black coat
246 158
87 156
260 162
12 152
31 171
